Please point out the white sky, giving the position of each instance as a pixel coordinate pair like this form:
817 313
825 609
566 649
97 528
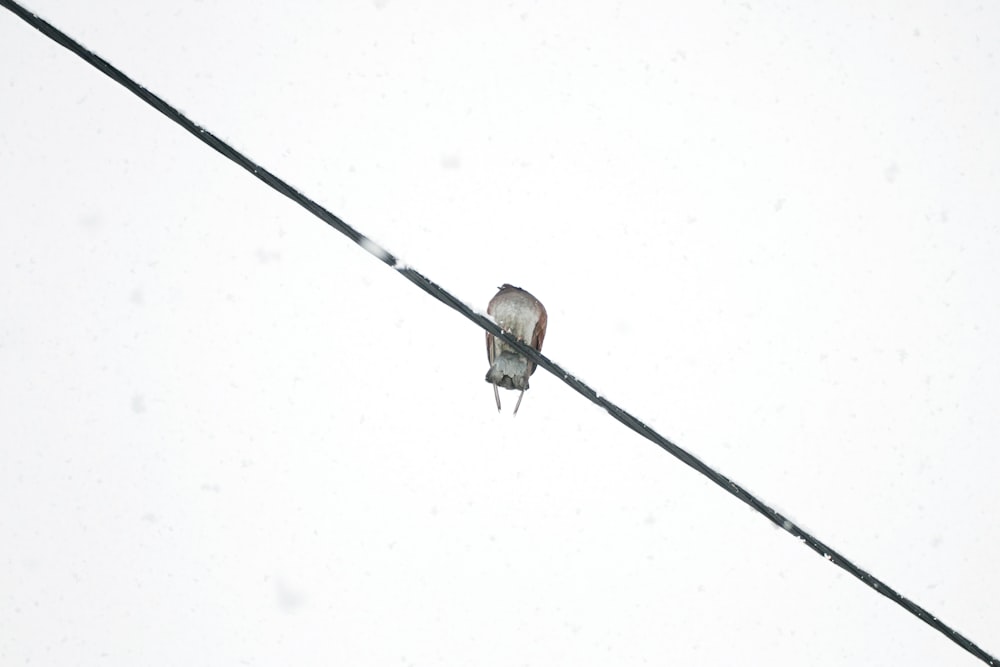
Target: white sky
230 436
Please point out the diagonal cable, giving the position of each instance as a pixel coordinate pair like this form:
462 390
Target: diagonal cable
448 299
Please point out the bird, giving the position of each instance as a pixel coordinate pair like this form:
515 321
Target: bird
522 315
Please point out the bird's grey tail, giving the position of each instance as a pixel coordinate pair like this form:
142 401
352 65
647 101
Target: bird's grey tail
510 371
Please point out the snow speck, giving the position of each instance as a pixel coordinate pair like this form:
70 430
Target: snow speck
264 255
288 598
891 173
451 161
90 222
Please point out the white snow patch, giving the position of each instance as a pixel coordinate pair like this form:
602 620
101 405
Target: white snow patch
374 248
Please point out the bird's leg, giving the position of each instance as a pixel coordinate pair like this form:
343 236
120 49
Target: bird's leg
496 395
518 402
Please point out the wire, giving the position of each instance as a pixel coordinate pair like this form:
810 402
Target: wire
445 297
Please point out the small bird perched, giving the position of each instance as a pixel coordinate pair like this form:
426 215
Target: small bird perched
519 313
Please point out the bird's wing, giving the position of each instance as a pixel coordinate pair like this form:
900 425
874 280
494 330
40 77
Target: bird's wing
490 347
538 336
543 322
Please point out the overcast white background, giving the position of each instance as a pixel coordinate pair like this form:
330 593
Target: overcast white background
230 436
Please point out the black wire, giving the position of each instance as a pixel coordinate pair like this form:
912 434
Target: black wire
448 299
